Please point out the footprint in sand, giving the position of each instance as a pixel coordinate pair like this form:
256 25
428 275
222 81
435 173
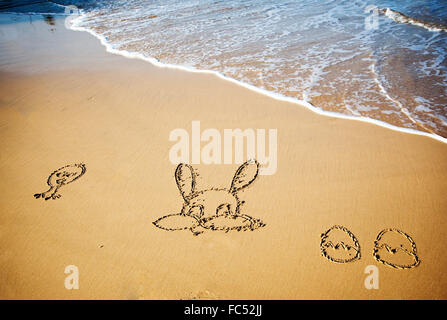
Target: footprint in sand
61 177
339 245
211 209
396 249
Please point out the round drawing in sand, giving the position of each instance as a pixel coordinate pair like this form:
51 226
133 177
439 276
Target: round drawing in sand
339 245
396 249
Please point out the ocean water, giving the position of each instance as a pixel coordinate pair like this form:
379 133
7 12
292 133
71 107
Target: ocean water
380 59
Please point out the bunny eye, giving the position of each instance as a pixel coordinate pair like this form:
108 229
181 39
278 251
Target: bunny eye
196 211
224 208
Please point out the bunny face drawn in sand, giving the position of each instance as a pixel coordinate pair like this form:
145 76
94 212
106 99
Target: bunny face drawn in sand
211 209
61 177
339 245
396 249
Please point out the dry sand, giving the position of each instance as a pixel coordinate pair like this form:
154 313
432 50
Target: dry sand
64 100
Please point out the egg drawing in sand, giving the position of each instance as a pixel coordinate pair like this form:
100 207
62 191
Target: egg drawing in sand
396 249
339 245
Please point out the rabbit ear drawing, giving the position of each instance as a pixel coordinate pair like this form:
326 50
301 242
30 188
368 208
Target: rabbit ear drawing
244 176
186 180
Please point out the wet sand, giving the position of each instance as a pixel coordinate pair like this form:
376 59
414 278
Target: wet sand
64 100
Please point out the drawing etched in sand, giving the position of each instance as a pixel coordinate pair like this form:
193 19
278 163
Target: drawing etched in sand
215 209
396 249
59 178
339 245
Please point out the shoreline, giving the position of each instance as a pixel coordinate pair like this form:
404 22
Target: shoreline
134 55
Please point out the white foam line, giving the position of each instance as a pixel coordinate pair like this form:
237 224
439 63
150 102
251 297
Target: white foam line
133 55
401 18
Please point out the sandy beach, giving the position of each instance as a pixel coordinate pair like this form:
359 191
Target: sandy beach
65 100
